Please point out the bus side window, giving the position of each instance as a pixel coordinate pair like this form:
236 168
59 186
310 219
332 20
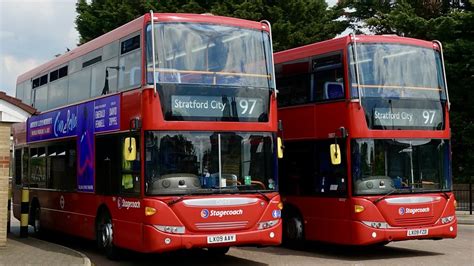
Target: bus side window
328 77
25 166
18 167
107 161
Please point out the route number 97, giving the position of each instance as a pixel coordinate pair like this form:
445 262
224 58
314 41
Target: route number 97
247 105
429 116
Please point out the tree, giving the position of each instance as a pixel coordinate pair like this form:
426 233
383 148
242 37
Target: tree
451 22
294 22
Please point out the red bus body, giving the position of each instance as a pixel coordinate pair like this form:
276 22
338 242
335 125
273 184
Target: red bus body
339 215
136 218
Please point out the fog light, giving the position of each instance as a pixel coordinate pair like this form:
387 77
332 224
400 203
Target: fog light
374 235
451 228
272 235
167 241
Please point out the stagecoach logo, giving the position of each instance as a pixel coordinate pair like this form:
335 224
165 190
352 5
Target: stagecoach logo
123 203
206 213
403 210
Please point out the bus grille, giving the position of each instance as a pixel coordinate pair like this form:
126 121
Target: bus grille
414 220
222 225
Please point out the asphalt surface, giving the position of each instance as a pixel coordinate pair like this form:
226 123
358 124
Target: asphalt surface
459 251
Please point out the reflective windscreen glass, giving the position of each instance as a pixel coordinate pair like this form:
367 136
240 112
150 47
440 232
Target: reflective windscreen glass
401 165
396 71
209 162
196 53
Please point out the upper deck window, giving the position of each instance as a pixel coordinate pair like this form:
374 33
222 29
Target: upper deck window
318 78
210 54
396 71
130 44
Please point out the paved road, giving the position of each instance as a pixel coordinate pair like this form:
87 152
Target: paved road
459 251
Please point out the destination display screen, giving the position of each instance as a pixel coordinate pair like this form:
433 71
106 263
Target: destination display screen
402 117
206 103
215 106
404 114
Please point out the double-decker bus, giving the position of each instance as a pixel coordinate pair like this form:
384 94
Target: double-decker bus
159 135
367 141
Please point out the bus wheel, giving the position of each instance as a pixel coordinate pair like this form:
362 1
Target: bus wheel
220 251
105 236
293 230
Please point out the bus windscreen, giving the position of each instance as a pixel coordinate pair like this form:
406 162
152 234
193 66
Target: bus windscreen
209 162
197 53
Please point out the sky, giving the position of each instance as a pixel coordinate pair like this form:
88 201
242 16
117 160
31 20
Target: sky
32 32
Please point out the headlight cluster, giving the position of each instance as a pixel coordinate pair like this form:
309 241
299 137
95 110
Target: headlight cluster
268 224
447 219
377 225
170 229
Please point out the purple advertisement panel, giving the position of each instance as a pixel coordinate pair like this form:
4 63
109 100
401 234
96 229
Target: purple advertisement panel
106 114
83 121
85 147
56 124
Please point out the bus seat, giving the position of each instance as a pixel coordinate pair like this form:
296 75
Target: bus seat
333 90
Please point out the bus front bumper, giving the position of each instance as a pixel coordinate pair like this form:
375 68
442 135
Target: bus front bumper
366 235
156 241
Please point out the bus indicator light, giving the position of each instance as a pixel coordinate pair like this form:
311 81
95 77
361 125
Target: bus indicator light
358 208
149 211
280 205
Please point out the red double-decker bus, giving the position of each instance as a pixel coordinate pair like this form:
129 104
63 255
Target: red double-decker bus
367 141
159 135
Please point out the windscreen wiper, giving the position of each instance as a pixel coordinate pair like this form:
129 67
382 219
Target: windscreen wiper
180 198
261 194
256 191
386 195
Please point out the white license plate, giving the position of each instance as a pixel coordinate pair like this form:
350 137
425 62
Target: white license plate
221 239
417 232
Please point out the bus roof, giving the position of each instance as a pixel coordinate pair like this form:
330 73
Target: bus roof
129 28
342 42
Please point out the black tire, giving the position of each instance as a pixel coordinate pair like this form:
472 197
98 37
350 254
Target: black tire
219 251
105 236
293 230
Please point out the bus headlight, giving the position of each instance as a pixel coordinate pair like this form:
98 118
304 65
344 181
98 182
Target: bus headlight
268 224
447 219
377 225
170 229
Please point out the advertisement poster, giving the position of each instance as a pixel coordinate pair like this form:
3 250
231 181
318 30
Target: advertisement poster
81 121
